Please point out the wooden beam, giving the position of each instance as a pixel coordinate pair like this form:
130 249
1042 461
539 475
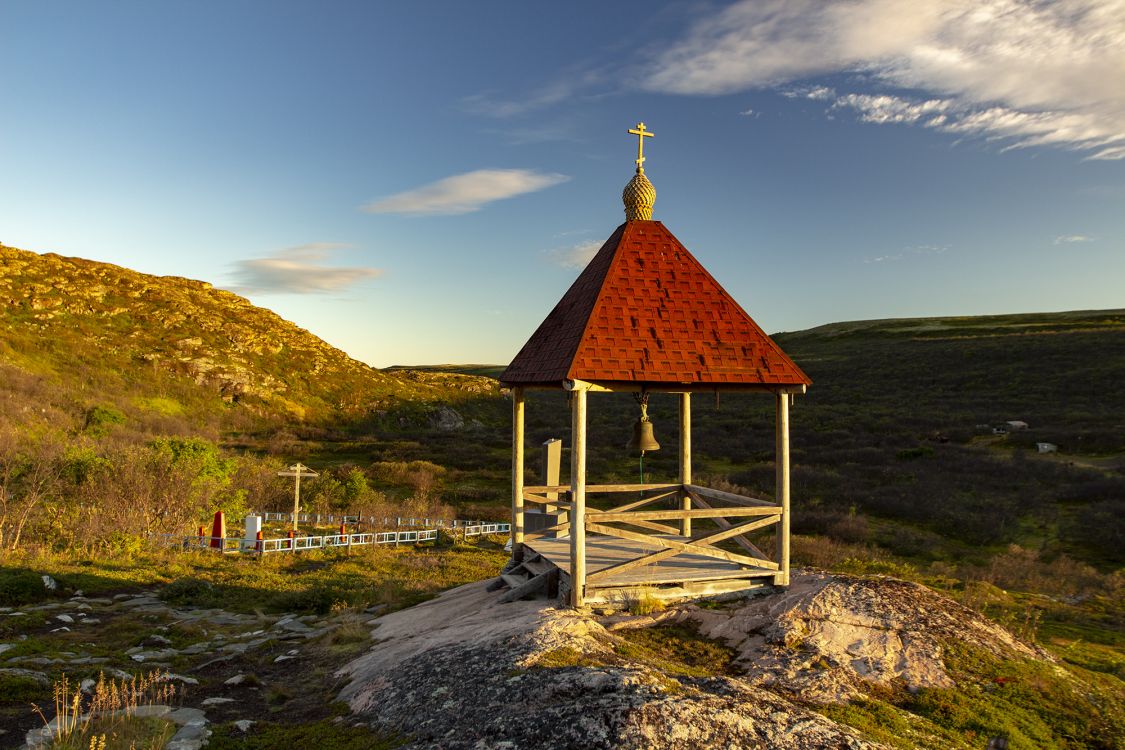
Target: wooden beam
540 533
681 546
530 586
629 487
578 497
636 562
691 547
552 457
658 527
609 386
642 502
517 471
612 386
685 459
528 497
616 590
545 488
670 515
781 491
730 497
741 541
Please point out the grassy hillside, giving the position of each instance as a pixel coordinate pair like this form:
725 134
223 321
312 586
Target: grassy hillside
78 333
132 403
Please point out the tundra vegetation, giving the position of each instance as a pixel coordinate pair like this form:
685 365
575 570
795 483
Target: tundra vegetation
132 405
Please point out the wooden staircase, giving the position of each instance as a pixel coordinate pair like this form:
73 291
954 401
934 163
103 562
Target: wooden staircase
528 578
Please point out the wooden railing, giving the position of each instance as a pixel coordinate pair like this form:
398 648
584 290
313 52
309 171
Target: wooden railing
732 517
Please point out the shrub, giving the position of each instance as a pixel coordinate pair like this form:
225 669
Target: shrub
192 592
100 418
318 600
18 689
20 587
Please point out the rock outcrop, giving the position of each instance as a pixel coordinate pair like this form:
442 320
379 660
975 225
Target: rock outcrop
827 635
463 671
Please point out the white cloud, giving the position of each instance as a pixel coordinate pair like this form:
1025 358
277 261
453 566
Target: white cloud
912 250
297 270
884 109
1030 72
1020 129
883 258
1068 239
816 93
465 193
575 256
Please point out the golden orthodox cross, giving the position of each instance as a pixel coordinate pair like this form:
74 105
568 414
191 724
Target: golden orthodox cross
641 134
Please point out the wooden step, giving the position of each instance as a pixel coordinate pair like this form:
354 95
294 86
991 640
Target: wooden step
537 566
529 587
513 579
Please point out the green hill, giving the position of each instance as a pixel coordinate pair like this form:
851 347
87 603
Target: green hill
132 404
76 334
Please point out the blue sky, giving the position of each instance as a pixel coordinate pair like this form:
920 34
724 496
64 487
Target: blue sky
420 182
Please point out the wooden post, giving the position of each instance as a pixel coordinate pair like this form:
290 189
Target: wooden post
552 458
685 459
517 471
781 490
296 498
578 497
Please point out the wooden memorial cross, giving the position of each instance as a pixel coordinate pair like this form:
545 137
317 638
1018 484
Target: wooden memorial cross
297 471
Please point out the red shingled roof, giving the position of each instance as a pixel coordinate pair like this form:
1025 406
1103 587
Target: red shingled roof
645 311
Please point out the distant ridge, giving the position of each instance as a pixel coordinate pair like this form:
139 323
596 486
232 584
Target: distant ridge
488 371
975 325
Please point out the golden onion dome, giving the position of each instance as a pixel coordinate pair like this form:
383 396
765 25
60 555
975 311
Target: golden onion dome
639 196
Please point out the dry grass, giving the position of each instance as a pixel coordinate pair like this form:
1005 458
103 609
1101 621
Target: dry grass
110 711
643 601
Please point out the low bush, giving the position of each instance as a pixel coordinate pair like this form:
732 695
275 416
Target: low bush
190 592
20 586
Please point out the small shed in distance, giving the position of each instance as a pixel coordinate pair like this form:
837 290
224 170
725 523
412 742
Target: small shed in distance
645 316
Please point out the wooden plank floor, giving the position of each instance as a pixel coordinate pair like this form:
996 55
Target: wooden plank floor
604 551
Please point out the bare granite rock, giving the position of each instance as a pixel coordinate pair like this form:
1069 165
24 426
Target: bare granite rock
463 671
827 634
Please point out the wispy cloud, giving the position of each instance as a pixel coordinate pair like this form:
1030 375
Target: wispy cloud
465 193
908 252
1017 129
297 270
575 256
1027 72
571 232
577 81
1069 239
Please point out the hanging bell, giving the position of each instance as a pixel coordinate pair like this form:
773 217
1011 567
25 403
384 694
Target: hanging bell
643 439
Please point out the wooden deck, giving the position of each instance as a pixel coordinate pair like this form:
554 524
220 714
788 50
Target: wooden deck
685 574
